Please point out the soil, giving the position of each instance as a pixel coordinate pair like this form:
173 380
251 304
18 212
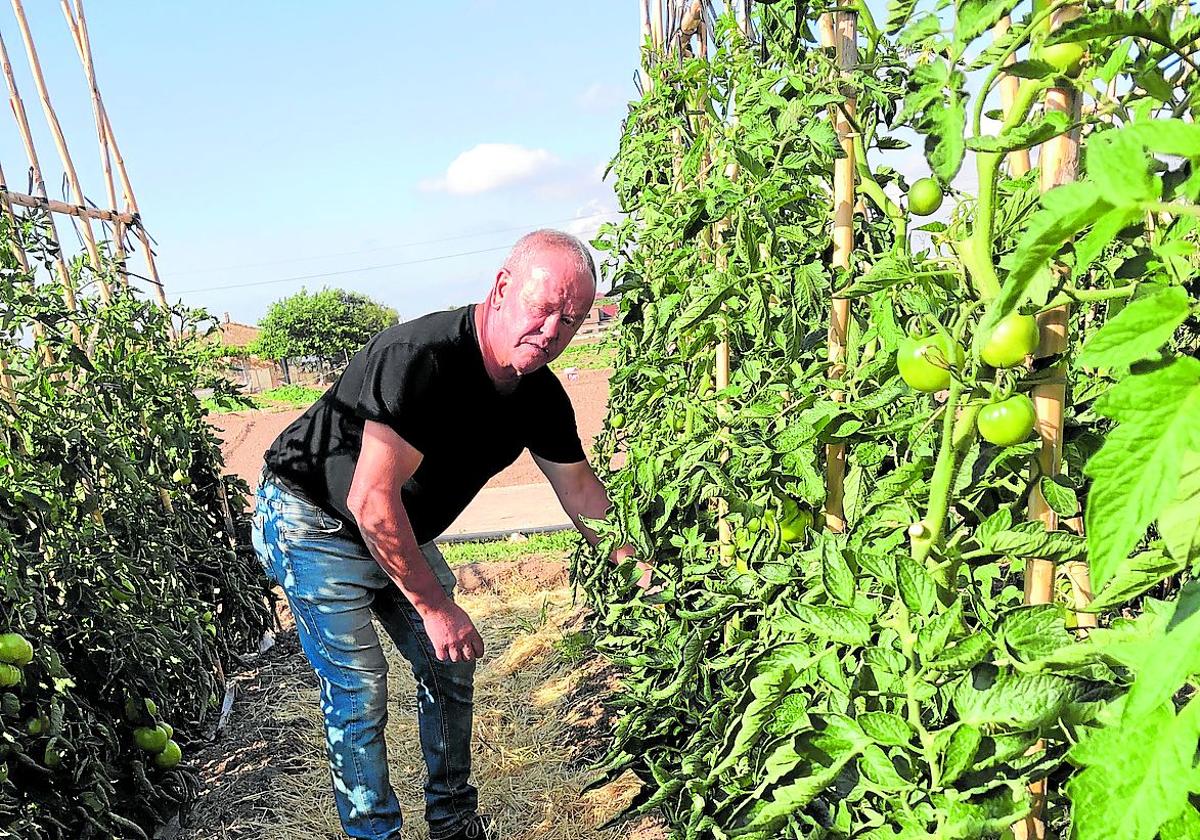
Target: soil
247 434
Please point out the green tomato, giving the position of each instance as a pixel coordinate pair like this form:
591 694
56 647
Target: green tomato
925 197
52 758
925 362
796 520
1007 422
1064 58
15 649
150 738
10 675
168 729
1014 338
617 420
169 756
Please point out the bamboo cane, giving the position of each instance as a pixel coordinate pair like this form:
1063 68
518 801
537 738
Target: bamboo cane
60 143
647 34
839 30
49 205
1058 163
22 118
656 23
1018 160
131 199
77 24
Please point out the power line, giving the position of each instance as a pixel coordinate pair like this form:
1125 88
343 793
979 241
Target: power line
387 247
346 271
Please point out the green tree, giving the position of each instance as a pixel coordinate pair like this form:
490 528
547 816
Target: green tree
327 325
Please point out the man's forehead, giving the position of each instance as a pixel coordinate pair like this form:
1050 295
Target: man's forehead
558 284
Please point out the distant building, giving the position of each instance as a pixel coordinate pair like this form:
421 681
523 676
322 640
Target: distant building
601 316
252 373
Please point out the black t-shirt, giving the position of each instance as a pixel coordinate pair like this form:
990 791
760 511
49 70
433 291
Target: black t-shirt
426 380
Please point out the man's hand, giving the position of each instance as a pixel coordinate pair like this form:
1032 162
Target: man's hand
452 633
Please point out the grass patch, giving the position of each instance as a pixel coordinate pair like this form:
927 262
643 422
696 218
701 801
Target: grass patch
285 396
593 355
553 544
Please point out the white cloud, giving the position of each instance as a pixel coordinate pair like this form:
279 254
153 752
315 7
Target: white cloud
490 166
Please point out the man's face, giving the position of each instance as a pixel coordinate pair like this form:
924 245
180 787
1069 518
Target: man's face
540 313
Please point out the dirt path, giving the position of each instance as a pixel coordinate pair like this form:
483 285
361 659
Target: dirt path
540 718
247 434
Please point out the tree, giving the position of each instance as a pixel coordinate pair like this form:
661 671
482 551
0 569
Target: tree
327 325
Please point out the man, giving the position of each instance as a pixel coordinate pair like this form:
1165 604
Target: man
355 491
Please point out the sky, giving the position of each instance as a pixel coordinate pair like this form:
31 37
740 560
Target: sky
366 142
395 149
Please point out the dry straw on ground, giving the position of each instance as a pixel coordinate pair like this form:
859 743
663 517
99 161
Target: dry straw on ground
539 719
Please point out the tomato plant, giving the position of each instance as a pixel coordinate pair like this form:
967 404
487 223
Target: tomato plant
888 680
118 533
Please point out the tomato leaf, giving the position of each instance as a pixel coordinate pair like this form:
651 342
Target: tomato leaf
1136 775
976 17
1137 470
1179 522
1024 136
1133 576
944 145
1137 331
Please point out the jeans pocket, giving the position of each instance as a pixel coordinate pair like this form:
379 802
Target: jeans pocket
258 540
302 521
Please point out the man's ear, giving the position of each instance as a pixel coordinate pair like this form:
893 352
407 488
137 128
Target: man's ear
501 287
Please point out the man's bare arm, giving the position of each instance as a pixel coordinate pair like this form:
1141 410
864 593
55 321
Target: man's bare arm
582 495
385 462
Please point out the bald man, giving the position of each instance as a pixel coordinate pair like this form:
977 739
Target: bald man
356 490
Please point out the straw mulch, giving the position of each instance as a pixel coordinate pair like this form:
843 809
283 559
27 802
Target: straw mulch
540 718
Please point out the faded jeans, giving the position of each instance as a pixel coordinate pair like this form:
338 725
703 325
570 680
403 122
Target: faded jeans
333 585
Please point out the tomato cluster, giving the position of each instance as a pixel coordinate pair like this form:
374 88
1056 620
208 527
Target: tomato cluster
928 363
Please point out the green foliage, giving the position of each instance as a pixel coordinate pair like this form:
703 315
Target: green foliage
325 324
590 355
117 558
555 544
889 681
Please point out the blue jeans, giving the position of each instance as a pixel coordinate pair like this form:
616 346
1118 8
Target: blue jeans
333 585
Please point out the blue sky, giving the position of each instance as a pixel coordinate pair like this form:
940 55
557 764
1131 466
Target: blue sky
262 136
396 149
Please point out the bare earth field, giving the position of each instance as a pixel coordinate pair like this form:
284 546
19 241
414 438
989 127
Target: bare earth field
247 434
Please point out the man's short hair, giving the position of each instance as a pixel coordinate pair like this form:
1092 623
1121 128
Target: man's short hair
530 244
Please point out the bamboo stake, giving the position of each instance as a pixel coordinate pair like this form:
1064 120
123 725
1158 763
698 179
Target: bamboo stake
49 205
77 23
647 33
22 118
1018 160
656 23
130 198
1058 163
60 143
839 30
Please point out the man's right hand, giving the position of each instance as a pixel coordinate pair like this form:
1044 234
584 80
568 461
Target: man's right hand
452 633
